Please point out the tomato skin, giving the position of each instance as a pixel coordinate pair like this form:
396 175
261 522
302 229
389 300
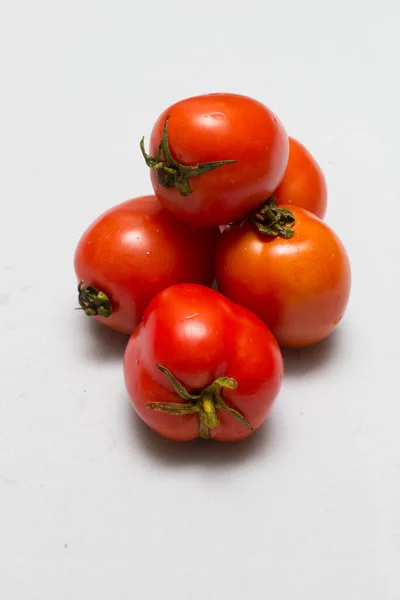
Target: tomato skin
199 336
136 249
299 287
304 183
217 127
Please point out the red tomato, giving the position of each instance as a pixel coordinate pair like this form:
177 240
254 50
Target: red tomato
298 286
200 366
303 183
132 252
214 158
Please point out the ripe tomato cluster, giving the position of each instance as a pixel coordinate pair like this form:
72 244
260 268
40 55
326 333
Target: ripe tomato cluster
236 201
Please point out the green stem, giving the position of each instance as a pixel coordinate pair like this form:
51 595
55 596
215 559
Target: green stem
272 220
93 301
203 403
171 173
208 406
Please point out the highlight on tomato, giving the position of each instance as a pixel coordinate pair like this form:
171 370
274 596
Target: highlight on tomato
304 183
199 365
132 252
288 267
214 158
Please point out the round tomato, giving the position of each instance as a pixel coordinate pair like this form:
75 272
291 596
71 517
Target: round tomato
133 251
214 158
200 366
303 183
299 286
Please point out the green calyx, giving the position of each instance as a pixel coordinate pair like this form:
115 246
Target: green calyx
93 301
272 220
204 403
171 173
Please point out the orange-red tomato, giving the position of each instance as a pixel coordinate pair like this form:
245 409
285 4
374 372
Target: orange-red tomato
298 286
303 183
212 128
132 252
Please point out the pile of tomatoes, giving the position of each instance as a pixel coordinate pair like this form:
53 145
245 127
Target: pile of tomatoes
237 202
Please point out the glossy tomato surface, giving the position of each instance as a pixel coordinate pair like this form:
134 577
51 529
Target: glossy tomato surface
199 336
298 286
218 127
304 183
135 250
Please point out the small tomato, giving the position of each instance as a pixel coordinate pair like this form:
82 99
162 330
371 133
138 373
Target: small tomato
216 157
132 252
288 267
200 366
304 183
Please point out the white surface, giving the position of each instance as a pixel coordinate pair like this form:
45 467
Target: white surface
92 505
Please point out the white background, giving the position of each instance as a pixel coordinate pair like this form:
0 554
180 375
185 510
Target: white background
92 504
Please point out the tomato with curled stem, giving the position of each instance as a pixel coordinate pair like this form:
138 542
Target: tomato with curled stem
132 252
200 366
288 267
213 158
304 183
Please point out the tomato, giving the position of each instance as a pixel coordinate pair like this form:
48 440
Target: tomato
303 183
299 286
214 158
132 252
200 366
